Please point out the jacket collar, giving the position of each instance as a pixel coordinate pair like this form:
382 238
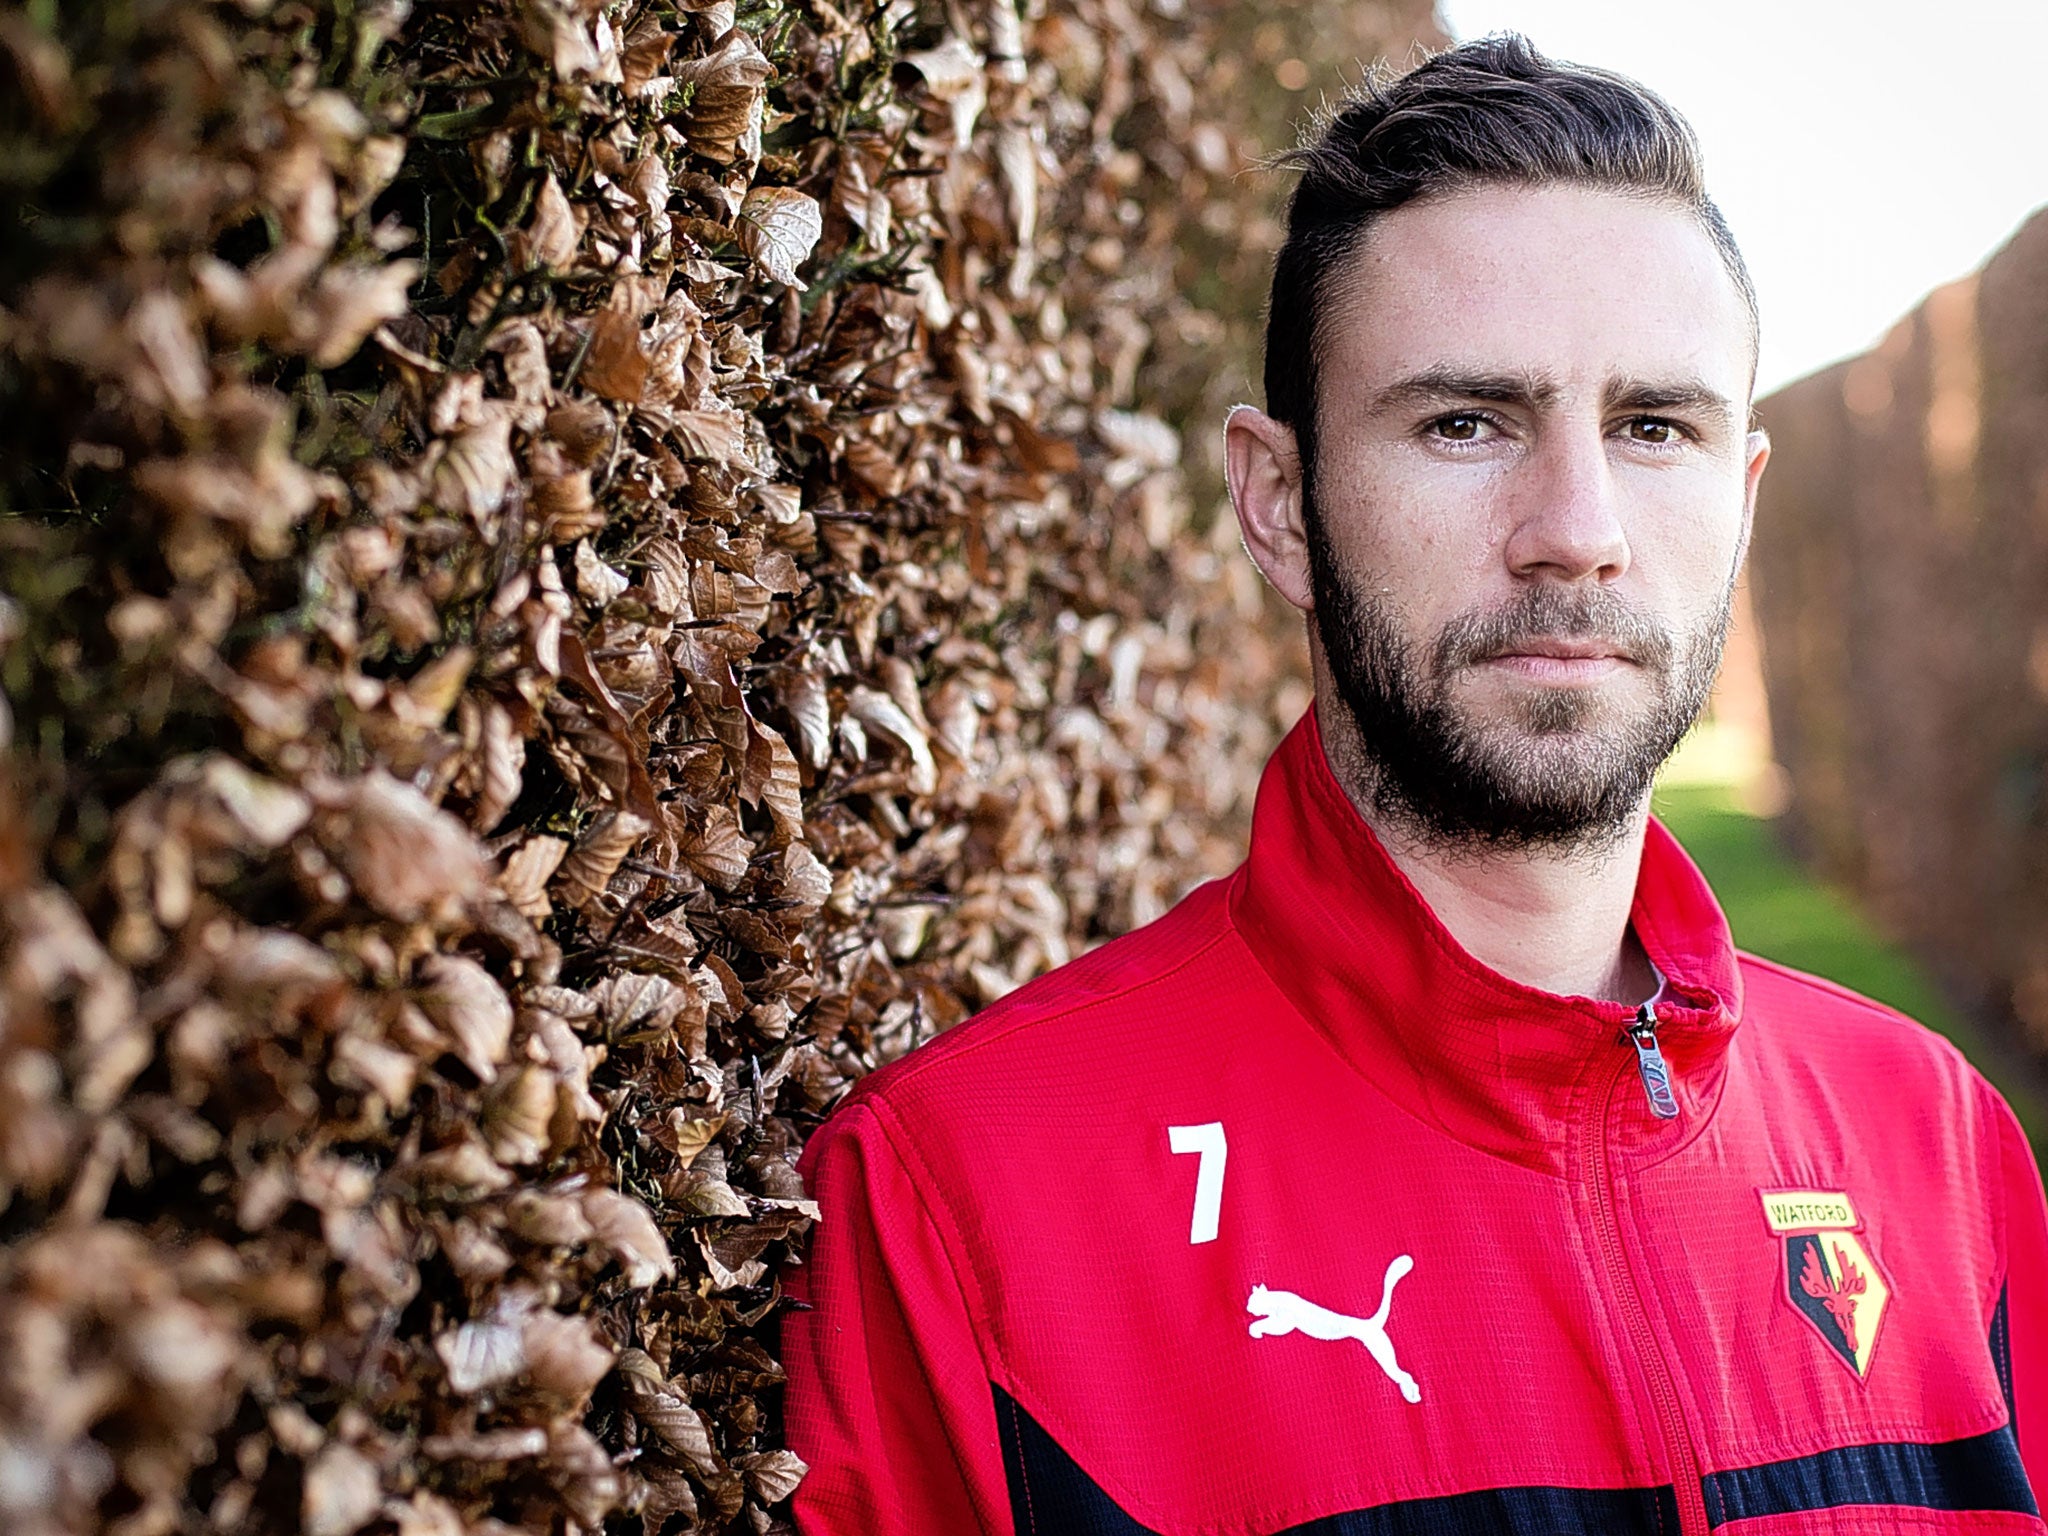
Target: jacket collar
1504 1067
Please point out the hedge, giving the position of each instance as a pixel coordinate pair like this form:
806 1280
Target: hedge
576 576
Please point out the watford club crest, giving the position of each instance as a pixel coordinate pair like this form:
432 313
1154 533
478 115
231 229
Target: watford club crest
1831 1277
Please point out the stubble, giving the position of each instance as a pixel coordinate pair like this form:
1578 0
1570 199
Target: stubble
1566 770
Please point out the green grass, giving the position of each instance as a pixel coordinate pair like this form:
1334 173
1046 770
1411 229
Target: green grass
1777 910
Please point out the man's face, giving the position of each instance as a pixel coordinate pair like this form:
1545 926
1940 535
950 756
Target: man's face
1529 500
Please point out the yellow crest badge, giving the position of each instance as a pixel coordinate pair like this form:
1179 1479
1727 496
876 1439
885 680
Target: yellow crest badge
1832 1279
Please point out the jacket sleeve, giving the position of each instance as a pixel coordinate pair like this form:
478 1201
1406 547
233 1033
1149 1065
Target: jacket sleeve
889 1401
2026 1297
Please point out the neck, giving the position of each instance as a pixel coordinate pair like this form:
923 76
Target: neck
1554 919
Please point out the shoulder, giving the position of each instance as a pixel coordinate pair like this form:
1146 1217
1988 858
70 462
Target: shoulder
1117 1008
1822 1030
1805 1002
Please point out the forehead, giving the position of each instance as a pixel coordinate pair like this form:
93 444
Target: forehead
1570 282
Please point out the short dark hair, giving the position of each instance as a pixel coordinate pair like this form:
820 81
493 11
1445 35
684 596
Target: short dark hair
1491 111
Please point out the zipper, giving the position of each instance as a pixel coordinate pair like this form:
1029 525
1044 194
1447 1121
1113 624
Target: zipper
1651 1066
1656 1079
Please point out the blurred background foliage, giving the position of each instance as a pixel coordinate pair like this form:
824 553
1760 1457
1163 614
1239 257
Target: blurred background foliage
1779 909
1901 580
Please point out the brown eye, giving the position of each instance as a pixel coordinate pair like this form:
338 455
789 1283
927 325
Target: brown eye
1458 429
1652 429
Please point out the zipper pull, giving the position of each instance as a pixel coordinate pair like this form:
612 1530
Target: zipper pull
1656 1072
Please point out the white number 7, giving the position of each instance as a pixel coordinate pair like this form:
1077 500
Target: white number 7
1208 1141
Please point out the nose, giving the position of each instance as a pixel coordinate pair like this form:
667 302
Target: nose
1565 512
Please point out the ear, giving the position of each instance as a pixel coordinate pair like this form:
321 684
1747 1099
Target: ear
1759 449
1263 470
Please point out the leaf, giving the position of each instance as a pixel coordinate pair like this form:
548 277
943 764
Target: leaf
806 883
432 691
576 43
687 1137
720 852
810 711
736 60
516 1116
617 363
471 1008
666 1410
772 1476
587 872
782 789
349 303
342 1492
584 430
527 871
490 1445
1017 162
779 227
635 1006
406 857
719 436
623 1225
463 1171
955 720
867 206
727 105
596 582
646 51
884 714
266 813
554 234
476 471
482 1354
953 73
564 1355
876 467
501 765
1138 435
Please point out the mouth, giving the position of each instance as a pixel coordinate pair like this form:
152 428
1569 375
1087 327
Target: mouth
1561 661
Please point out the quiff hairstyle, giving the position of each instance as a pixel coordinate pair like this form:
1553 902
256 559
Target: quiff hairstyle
1491 112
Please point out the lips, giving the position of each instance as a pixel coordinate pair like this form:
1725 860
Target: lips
1562 649
1548 633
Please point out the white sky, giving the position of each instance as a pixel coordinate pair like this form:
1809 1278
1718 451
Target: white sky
1864 151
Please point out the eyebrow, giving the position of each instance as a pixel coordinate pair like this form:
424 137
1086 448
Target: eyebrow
1447 385
1444 384
1669 395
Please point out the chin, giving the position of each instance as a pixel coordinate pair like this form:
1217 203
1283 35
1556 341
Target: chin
1566 730
1588 713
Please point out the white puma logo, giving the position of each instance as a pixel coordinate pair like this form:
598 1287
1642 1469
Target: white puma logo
1278 1312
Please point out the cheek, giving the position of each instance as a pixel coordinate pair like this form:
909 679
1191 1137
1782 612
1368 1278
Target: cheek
1419 524
1683 550
1691 528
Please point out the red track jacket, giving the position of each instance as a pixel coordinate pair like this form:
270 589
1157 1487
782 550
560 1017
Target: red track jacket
1284 1214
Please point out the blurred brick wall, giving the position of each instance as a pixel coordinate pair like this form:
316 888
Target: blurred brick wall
1900 574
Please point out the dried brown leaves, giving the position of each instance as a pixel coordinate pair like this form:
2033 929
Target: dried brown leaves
584 582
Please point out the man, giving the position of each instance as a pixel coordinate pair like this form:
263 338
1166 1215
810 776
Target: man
1445 1169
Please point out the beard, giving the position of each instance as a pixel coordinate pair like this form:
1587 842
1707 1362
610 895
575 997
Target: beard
1566 769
